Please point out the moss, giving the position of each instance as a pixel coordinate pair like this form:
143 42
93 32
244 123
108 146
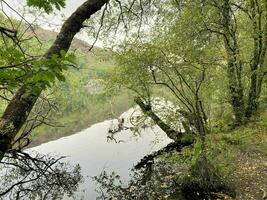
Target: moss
188 138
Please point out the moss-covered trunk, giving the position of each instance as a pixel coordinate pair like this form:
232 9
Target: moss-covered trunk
259 22
234 65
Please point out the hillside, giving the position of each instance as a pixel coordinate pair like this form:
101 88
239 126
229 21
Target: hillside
80 100
49 36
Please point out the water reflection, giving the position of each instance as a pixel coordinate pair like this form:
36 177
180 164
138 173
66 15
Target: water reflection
37 176
95 154
159 180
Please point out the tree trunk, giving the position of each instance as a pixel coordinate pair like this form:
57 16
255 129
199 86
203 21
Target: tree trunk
23 101
171 133
252 104
258 59
234 65
236 92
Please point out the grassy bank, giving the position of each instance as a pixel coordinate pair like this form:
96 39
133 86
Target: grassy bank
244 157
241 157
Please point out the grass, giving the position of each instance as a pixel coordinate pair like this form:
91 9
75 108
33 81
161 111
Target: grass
241 155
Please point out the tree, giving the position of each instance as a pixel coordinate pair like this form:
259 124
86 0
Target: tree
178 71
241 25
178 65
161 65
51 64
23 101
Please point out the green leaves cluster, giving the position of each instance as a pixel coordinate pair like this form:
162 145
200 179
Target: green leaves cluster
46 71
179 50
22 60
36 72
47 5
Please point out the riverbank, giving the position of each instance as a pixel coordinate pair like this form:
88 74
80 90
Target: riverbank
241 156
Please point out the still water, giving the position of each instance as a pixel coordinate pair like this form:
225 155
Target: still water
90 149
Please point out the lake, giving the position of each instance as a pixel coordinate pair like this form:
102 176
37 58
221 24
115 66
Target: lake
94 153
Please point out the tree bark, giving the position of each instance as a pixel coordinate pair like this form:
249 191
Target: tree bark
23 101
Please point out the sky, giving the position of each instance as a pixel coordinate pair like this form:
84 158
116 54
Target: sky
52 21
72 5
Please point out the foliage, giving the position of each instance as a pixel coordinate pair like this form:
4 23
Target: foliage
192 41
22 65
206 57
77 102
47 5
170 171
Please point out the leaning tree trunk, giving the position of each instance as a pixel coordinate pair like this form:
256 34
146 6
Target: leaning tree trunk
170 132
23 101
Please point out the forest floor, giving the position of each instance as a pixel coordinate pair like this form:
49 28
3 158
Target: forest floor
246 153
250 177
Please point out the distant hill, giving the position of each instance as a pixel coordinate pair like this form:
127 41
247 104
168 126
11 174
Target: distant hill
49 36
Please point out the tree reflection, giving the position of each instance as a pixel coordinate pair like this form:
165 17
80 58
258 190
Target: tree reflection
161 179
25 176
158 180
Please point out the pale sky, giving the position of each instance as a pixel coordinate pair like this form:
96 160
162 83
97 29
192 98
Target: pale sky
54 19
72 5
